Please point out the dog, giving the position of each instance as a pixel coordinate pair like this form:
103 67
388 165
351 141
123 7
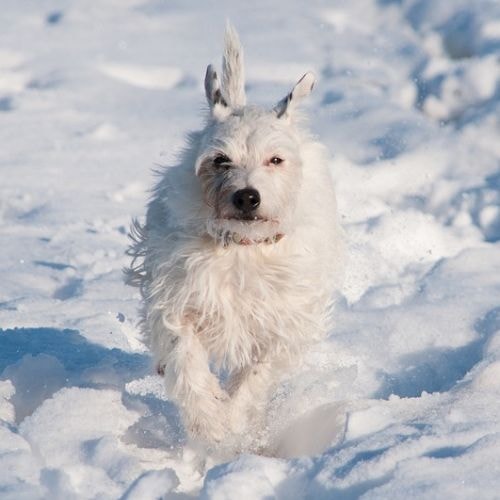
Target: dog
238 258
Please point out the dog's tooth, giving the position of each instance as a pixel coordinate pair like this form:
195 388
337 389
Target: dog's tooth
237 238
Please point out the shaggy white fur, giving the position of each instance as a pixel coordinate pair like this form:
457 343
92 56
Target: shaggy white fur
239 257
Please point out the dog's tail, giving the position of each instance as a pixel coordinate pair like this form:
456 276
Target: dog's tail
233 73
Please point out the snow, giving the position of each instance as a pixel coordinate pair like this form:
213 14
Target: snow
402 398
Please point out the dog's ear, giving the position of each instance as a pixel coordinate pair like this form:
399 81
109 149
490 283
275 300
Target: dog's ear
232 93
233 73
302 89
218 105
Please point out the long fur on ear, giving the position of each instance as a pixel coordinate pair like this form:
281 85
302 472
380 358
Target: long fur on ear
233 73
218 104
302 89
212 88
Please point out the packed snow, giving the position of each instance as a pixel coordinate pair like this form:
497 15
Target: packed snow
402 399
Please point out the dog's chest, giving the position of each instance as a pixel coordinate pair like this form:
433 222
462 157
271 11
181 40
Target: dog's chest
248 304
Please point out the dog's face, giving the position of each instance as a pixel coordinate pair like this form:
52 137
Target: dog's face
249 162
250 171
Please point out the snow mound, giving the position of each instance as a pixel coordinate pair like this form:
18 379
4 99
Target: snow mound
143 77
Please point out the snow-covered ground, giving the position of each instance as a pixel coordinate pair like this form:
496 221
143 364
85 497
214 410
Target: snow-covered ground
403 399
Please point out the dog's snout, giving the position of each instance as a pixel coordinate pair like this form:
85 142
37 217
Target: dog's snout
246 200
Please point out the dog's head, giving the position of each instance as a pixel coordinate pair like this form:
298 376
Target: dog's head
249 162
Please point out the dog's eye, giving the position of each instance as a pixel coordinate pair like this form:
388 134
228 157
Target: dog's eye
276 160
222 161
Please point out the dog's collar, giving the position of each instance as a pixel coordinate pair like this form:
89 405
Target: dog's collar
238 239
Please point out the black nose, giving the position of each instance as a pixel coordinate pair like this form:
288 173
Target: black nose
246 200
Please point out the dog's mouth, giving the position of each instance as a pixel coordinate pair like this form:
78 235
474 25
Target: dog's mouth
245 229
247 218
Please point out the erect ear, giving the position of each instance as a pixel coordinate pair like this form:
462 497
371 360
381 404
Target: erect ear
233 73
216 101
302 89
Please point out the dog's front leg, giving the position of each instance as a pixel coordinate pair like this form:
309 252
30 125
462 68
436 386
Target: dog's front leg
249 390
195 388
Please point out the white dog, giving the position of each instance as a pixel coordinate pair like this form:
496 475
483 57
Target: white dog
239 256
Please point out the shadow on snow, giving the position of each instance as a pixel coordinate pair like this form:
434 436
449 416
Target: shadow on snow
40 361
439 369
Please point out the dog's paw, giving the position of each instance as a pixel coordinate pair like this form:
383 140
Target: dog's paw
208 419
220 394
211 429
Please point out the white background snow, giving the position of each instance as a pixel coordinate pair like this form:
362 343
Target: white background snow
403 399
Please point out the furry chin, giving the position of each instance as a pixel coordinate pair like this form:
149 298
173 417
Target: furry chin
253 230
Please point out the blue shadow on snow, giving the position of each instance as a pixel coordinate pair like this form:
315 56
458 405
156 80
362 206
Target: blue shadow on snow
439 369
70 348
